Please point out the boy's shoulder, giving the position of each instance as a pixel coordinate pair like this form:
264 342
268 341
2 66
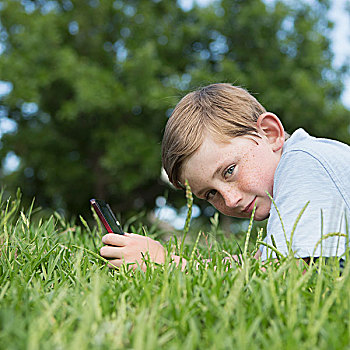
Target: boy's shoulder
312 172
310 164
301 148
323 149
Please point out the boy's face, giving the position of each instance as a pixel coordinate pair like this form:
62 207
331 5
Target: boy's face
234 176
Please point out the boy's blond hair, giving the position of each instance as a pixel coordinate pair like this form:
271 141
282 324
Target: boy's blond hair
223 110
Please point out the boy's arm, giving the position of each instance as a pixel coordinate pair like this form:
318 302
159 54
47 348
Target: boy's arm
237 258
132 248
258 254
177 261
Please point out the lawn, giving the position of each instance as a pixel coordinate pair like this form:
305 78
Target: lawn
57 293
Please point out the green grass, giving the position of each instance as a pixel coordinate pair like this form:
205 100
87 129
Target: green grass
57 293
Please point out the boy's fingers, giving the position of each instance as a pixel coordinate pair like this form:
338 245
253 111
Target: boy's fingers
111 252
114 239
130 234
115 263
119 262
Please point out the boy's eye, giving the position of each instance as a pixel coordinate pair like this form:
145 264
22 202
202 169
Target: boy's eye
229 171
209 195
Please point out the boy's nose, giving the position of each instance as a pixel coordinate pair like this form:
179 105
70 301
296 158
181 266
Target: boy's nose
231 197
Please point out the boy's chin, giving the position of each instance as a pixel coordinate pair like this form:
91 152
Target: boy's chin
261 218
261 214
258 216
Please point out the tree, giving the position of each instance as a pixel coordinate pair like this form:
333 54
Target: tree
94 81
282 54
97 73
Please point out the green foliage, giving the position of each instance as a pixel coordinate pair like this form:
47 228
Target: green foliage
103 75
57 292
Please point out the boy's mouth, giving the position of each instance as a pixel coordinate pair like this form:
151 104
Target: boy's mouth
249 208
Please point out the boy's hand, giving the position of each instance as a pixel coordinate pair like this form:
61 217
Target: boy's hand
131 248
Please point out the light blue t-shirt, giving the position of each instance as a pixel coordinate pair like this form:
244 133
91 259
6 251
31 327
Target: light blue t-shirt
317 171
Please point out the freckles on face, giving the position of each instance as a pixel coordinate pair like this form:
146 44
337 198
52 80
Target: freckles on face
254 167
257 170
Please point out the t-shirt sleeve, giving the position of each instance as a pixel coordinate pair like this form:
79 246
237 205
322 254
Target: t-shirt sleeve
301 180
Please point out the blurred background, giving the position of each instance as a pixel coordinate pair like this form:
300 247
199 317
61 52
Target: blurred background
86 88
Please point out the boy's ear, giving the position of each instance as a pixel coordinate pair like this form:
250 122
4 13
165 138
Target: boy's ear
270 126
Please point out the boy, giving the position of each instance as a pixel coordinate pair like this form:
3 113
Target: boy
235 155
